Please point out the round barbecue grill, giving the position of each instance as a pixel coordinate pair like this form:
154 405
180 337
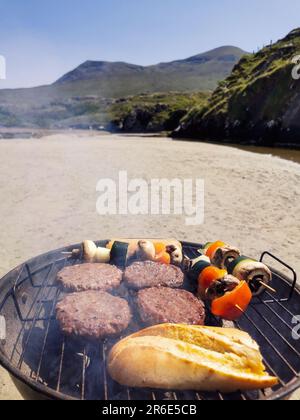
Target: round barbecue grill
45 364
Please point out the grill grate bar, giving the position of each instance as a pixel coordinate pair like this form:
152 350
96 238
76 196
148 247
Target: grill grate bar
62 355
277 332
105 381
221 398
243 396
279 303
293 272
275 313
267 363
35 318
46 336
24 324
271 345
83 374
55 300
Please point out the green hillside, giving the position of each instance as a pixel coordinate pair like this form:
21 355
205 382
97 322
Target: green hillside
153 112
258 103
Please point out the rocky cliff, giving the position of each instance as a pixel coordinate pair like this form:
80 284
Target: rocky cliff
258 103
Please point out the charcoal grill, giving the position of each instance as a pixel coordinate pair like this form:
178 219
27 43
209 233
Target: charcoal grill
45 364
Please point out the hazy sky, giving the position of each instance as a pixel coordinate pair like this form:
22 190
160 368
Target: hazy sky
43 39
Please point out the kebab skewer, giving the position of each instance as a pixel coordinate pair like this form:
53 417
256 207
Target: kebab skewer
91 253
117 251
221 254
228 297
256 274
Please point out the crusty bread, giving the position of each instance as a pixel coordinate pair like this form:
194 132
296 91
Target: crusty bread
183 357
133 244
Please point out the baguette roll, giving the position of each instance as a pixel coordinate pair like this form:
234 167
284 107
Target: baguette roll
182 357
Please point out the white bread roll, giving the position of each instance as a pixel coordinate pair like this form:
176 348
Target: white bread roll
182 357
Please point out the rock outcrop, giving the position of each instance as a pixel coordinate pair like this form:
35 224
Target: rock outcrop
259 103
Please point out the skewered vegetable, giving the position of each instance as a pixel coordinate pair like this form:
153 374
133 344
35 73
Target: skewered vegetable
118 253
233 304
228 296
211 247
208 276
146 250
221 254
89 251
175 253
219 287
255 273
196 266
102 255
161 254
93 254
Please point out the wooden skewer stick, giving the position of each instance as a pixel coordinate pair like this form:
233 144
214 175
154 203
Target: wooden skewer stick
268 287
74 253
239 308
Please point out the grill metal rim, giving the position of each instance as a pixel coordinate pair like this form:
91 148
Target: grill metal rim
50 393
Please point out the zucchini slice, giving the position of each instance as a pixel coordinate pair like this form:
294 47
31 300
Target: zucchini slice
118 254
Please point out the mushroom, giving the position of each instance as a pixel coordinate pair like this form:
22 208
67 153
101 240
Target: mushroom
146 250
102 255
220 287
89 250
175 253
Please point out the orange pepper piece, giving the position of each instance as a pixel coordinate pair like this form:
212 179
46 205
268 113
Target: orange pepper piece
233 304
161 255
159 248
210 252
208 276
163 258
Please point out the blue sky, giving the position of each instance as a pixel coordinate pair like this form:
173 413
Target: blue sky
42 39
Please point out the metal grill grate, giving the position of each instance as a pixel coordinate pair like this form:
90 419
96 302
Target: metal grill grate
37 353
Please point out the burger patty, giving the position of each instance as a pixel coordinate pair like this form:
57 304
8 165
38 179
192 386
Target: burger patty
145 274
93 315
161 305
83 277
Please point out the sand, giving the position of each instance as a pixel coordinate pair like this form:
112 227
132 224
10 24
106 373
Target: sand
48 196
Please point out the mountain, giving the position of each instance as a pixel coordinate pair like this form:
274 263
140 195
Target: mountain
200 72
81 98
258 103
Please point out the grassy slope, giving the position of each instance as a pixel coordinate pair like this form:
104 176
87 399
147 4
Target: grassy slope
154 112
259 92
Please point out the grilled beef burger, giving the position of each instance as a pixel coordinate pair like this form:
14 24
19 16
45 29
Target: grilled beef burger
141 275
93 315
161 305
83 277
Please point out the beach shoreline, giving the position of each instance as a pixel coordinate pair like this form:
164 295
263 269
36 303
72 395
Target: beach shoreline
48 196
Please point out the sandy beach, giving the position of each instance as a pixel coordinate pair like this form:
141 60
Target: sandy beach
48 196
